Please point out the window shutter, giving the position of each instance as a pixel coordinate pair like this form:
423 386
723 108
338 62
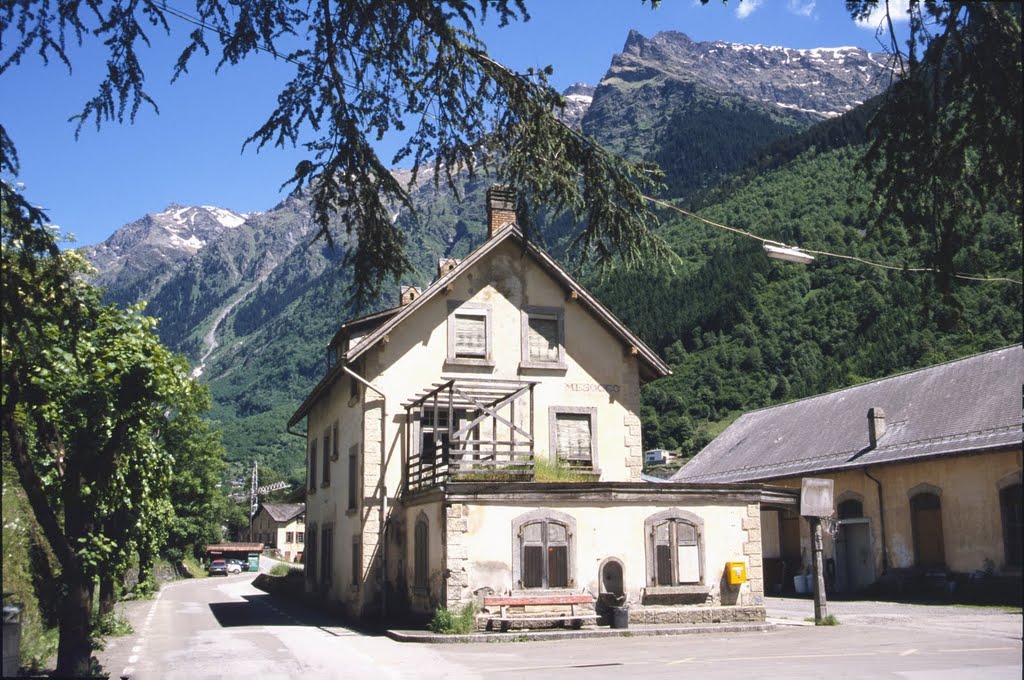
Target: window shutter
470 335
420 568
663 554
542 336
558 556
572 438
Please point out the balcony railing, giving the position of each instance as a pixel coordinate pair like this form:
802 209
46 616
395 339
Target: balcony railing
469 430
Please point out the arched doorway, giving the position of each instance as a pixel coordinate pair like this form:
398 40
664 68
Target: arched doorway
855 562
926 524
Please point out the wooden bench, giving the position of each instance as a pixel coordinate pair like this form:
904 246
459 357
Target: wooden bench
505 618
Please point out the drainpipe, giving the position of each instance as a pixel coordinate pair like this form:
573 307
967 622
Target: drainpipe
382 532
881 520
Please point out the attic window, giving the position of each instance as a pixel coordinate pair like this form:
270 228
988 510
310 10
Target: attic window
543 337
469 333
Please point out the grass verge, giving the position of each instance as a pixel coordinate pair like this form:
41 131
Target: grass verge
447 622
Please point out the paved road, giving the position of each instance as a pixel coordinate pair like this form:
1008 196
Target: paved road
225 628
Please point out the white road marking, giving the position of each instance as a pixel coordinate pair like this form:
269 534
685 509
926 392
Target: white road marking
678 661
908 652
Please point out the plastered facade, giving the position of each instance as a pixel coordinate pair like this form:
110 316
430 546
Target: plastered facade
481 544
968 487
469 545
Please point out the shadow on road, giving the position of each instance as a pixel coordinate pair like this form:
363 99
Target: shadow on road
270 610
255 611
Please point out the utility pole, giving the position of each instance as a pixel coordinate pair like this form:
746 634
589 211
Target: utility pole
255 491
817 545
816 503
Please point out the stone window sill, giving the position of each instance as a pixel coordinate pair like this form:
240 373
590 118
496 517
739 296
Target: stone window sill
455 362
693 589
542 366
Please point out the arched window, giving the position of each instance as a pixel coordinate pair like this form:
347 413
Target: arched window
850 509
543 555
421 564
675 553
926 524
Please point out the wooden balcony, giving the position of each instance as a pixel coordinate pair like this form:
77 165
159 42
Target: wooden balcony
469 430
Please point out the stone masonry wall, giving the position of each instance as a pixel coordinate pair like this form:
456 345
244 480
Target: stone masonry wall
753 591
634 447
458 555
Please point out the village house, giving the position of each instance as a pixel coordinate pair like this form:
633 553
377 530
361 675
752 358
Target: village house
280 527
926 468
483 438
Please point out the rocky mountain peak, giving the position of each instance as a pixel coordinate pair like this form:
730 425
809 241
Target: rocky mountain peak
821 82
578 98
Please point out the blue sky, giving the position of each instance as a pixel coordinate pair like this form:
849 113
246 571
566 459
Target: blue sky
191 154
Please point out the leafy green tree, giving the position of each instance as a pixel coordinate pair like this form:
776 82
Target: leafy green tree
947 137
199 506
86 387
363 69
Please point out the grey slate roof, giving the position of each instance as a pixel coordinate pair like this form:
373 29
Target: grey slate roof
959 407
283 512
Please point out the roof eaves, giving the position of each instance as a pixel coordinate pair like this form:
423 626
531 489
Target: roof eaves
661 369
375 336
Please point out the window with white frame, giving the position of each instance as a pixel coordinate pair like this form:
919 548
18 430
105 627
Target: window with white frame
469 333
573 436
543 337
675 548
434 433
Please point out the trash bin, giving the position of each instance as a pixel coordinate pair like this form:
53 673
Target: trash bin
620 617
12 640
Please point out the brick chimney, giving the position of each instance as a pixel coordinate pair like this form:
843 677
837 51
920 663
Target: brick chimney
409 293
444 266
501 208
876 425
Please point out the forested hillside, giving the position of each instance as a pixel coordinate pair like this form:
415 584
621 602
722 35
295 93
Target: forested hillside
742 331
739 330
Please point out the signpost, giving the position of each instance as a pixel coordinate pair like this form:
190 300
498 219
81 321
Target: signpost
816 504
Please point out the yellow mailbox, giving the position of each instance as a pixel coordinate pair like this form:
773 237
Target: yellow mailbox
737 573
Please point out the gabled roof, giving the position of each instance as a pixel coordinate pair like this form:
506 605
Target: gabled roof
652 366
283 512
960 407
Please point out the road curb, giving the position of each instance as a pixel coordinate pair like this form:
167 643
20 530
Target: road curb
539 635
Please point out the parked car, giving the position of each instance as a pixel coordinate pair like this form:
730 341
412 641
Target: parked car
245 565
218 567
234 566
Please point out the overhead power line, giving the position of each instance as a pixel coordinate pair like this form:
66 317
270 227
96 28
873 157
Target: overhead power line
823 253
